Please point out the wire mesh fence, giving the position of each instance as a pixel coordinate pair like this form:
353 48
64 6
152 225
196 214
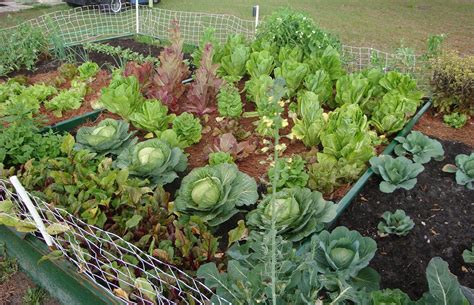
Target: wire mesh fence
122 269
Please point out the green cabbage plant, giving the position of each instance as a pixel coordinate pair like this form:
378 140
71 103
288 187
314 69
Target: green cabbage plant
464 170
397 223
214 193
396 173
152 116
153 159
421 147
108 137
298 213
187 128
309 121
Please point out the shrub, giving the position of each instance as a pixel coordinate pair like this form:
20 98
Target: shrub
453 82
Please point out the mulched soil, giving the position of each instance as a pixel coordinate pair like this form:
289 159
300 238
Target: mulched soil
442 212
13 290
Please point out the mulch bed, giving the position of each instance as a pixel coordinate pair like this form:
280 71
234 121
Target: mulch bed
442 212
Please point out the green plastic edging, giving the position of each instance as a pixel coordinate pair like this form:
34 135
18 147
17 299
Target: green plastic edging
73 122
360 183
60 278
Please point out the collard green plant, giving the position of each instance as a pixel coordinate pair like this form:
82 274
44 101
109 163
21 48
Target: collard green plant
153 159
299 212
187 129
309 121
468 256
397 223
293 73
292 172
260 63
229 103
220 157
455 119
152 116
421 147
396 173
122 96
214 193
108 137
464 170
201 97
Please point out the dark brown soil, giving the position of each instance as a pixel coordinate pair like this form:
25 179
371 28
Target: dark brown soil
442 212
13 290
432 125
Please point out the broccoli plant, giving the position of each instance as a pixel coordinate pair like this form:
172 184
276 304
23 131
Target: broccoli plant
396 173
299 212
214 193
397 223
108 137
464 170
421 147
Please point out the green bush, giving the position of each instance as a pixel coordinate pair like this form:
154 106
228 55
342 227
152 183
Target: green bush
453 82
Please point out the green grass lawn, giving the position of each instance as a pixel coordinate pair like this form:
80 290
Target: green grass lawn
382 24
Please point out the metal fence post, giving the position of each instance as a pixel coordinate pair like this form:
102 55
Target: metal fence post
136 17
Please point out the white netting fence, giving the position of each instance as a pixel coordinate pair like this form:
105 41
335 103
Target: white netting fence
113 263
92 23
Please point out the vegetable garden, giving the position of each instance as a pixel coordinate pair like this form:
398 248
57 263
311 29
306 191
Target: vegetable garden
217 164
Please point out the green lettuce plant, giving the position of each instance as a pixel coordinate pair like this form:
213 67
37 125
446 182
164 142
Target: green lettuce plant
88 70
220 157
464 170
299 212
391 113
260 63
396 173
309 120
108 137
455 119
40 92
187 128
229 103
152 116
122 96
68 99
290 53
153 159
214 193
421 147
234 58
293 73
321 84
397 223
208 36
329 61
257 88
291 172
353 89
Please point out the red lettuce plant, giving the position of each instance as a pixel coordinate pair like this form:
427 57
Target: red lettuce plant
201 97
167 83
144 73
228 143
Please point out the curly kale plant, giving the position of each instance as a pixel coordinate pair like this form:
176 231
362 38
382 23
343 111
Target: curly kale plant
298 213
464 170
229 103
108 137
187 128
421 147
396 173
154 159
397 223
213 193
291 172
152 116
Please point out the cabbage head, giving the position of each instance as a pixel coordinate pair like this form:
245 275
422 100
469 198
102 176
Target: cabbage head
299 212
155 160
464 170
213 193
421 147
396 173
108 137
343 251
